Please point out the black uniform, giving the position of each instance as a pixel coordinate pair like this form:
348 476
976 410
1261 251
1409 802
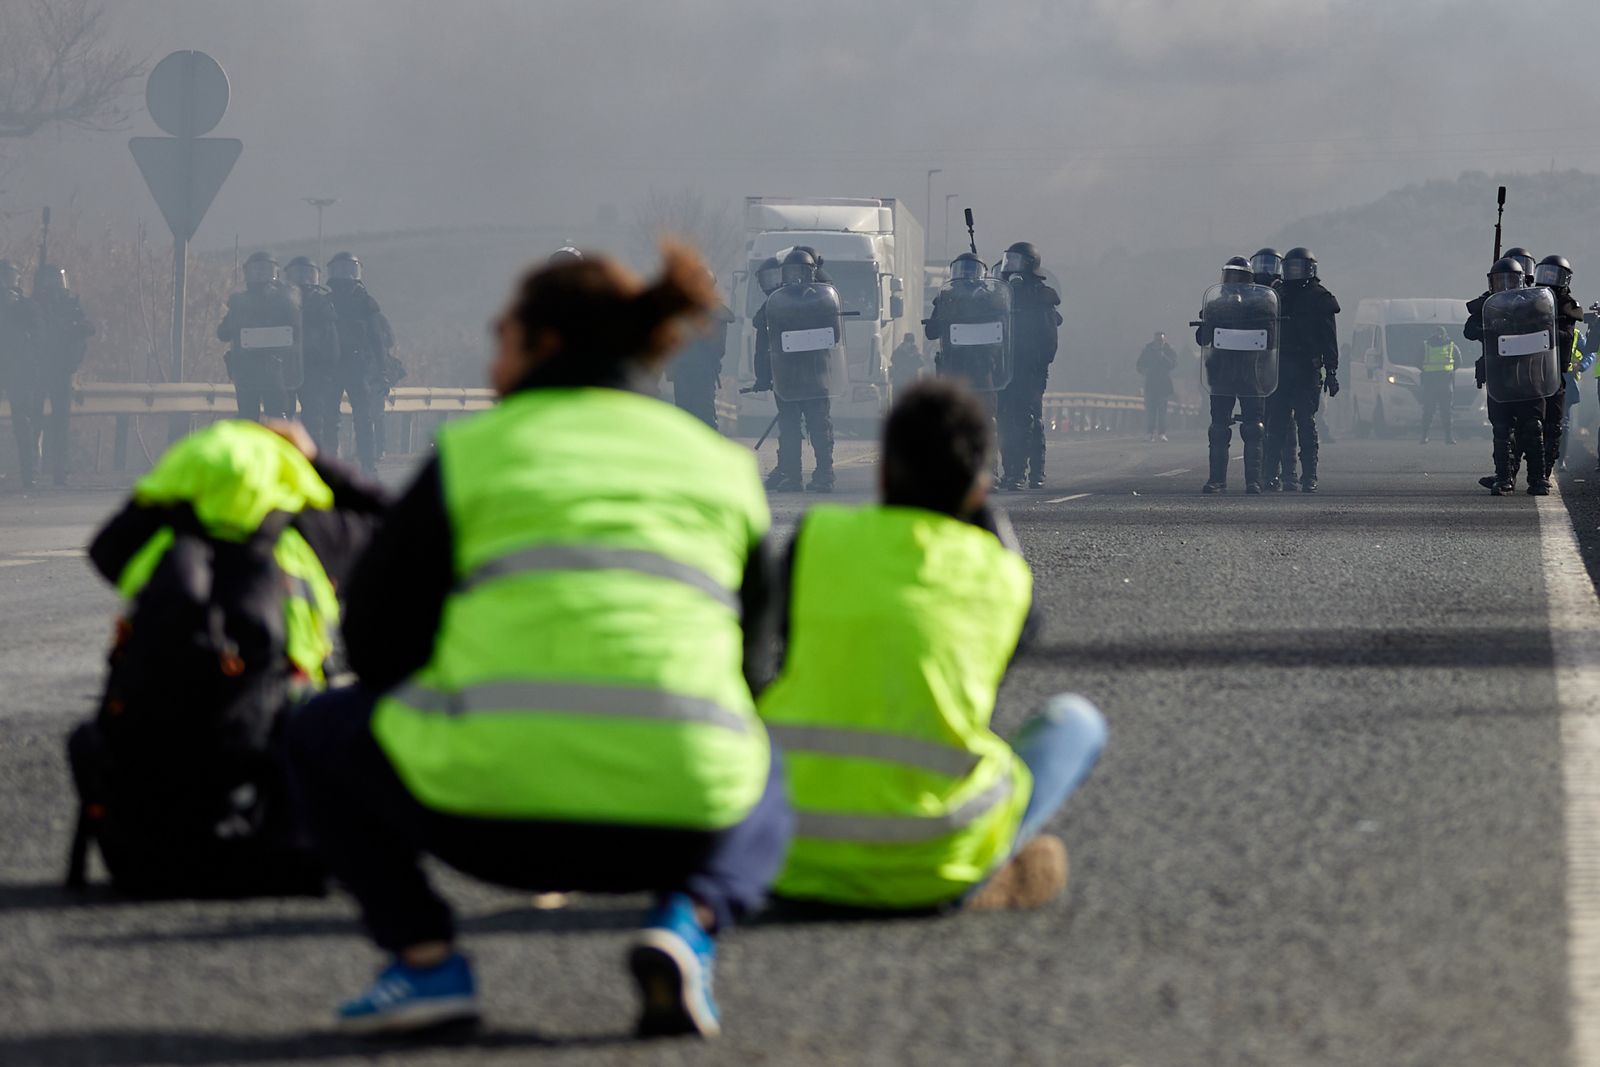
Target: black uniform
1034 321
1252 413
697 370
319 345
20 376
364 337
64 332
1310 346
262 375
1518 426
1569 316
817 415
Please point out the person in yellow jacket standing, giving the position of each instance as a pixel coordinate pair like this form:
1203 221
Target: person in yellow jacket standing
904 796
552 634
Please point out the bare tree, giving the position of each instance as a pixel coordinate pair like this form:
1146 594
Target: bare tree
711 226
57 68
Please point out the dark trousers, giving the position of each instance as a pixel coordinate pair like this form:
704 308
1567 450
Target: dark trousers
1518 431
1252 413
1555 426
697 396
1020 418
373 833
59 393
1155 412
1438 393
1296 402
27 418
255 403
319 403
818 418
365 405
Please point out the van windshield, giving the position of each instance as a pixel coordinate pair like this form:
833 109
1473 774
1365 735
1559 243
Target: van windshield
1403 342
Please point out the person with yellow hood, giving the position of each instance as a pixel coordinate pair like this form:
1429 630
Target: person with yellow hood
227 558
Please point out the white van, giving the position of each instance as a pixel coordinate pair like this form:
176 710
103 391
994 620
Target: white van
1384 371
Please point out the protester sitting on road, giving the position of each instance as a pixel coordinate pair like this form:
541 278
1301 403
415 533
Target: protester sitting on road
551 636
904 797
227 557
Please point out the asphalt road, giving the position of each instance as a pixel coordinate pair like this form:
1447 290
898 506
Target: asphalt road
1328 828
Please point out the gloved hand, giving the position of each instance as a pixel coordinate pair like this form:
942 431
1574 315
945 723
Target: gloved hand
1330 382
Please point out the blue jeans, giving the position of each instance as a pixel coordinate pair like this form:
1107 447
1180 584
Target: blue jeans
1060 746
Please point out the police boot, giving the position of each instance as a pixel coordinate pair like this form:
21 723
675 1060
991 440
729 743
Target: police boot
782 481
1501 482
1251 433
1221 437
1531 435
821 480
1308 461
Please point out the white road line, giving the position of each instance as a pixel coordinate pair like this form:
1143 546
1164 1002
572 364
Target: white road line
56 553
18 562
1574 627
1174 474
1064 499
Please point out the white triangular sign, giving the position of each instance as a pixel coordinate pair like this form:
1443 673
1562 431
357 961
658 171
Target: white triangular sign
184 176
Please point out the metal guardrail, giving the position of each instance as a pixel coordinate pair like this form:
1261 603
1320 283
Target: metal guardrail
1063 412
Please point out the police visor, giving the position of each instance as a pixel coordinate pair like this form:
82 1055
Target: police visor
1267 265
1015 263
770 278
1552 274
1499 283
260 272
799 274
966 270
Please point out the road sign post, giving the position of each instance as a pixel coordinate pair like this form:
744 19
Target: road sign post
187 95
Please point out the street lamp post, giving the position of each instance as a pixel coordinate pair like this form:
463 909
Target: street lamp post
947 198
931 173
320 202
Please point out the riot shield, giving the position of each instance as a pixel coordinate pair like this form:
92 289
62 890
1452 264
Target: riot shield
806 335
1519 345
1239 340
974 319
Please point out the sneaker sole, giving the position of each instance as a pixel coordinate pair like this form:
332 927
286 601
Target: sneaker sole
668 974
433 1014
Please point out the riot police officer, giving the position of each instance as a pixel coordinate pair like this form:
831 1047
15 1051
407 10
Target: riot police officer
1238 334
1511 312
1310 360
971 320
697 369
1277 468
804 379
64 332
1555 273
364 342
262 327
19 368
1034 322
319 348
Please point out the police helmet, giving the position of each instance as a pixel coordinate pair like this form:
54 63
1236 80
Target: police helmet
769 276
344 267
1524 257
799 268
1506 274
1021 258
966 267
1237 272
1299 265
260 269
564 254
1553 271
1267 264
301 271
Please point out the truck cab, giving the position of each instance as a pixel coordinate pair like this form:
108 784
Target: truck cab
867 248
1385 363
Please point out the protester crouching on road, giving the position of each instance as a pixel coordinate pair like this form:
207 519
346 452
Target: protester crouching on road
555 637
904 797
227 557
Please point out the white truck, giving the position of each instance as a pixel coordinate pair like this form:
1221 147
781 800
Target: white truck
872 249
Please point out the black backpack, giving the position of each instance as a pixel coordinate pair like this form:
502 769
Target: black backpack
180 775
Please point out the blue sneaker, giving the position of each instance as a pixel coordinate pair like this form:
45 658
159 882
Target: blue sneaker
672 963
406 999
